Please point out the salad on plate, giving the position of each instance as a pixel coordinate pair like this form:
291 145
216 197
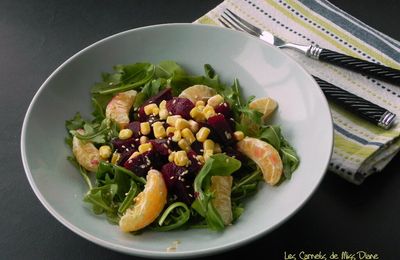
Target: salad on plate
166 150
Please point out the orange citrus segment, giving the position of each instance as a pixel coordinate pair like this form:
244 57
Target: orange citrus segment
87 155
265 156
147 205
266 106
198 92
221 187
119 106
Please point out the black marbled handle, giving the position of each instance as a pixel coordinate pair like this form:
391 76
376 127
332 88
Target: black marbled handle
364 108
371 69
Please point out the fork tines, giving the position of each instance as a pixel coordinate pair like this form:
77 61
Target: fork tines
231 20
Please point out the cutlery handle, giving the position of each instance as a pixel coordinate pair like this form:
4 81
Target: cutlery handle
371 69
364 108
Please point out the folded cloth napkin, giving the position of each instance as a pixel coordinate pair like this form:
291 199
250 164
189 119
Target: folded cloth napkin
360 148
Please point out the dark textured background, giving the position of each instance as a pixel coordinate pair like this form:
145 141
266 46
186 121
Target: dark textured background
37 36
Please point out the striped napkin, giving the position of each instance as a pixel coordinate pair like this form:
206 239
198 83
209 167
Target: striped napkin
360 148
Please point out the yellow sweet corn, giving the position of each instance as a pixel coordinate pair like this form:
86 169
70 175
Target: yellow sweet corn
105 151
202 134
125 134
181 158
145 128
188 135
145 147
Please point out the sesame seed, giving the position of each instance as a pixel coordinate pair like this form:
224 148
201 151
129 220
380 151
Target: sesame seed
165 145
123 146
171 178
190 195
127 149
142 166
228 135
187 186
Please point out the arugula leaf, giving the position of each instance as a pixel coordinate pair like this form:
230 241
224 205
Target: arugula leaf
75 123
218 164
150 89
168 69
132 76
84 173
290 159
174 217
97 133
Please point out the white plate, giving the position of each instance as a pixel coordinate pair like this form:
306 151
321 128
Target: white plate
262 70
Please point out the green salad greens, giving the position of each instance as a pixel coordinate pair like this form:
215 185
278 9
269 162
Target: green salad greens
114 156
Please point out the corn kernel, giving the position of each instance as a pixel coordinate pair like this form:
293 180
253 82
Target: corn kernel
163 114
214 101
155 111
183 144
207 153
171 120
134 155
188 135
171 157
125 134
105 151
239 135
200 103
200 158
143 139
194 126
197 114
181 158
145 147
145 128
217 148
208 144
209 111
150 109
163 104
159 130
115 158
202 134
170 130
177 136
181 124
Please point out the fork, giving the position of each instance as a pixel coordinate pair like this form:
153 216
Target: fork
381 72
364 108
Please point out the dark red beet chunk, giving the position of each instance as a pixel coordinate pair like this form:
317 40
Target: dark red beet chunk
165 94
142 163
222 128
160 146
122 145
194 166
135 127
178 181
230 151
224 109
180 106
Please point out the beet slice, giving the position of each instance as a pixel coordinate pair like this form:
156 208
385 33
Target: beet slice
224 109
221 128
194 166
161 146
165 94
125 145
180 106
135 127
179 182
